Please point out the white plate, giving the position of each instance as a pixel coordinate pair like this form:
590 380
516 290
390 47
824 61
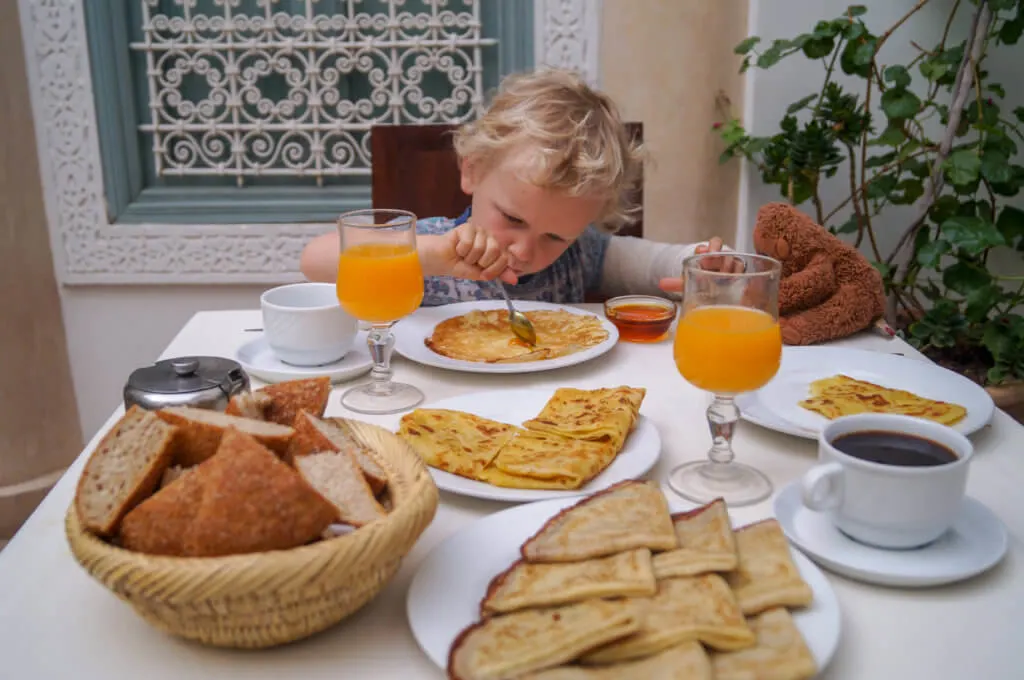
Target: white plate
638 455
446 591
259 361
974 544
412 331
776 405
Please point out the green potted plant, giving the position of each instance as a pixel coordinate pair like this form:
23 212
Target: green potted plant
933 134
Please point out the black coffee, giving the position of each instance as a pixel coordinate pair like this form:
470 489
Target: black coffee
894 448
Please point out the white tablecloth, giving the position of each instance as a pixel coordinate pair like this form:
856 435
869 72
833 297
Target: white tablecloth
55 622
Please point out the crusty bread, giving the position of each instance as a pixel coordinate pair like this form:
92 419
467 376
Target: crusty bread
172 473
280 403
253 502
335 475
313 435
123 469
200 432
159 524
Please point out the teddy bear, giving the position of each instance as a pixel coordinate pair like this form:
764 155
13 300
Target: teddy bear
828 289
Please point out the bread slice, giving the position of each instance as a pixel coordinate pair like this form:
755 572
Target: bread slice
314 434
280 403
687 661
123 469
159 524
200 432
335 475
253 502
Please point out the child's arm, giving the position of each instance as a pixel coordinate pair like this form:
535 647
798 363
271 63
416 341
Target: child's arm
634 266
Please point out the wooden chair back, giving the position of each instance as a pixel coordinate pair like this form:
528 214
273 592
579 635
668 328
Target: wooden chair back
415 169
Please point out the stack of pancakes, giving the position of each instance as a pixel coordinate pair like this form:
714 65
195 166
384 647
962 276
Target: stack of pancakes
616 587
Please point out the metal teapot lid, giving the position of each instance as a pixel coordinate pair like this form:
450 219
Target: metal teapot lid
182 375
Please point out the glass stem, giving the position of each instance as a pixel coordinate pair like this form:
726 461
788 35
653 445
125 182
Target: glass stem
722 416
381 341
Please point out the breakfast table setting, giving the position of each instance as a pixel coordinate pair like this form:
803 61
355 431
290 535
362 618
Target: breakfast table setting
903 534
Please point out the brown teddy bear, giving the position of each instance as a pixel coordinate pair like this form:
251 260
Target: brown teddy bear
828 289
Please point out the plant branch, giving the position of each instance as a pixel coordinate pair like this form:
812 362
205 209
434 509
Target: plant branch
945 37
962 86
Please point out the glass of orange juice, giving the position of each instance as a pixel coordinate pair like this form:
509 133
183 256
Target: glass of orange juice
727 342
379 281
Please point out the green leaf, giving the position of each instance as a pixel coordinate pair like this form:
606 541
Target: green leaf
817 48
981 301
933 69
1019 112
849 226
891 136
900 104
856 57
964 277
907 192
800 104
945 206
998 5
879 161
898 76
880 186
856 10
996 89
883 269
1011 31
962 166
930 254
995 167
998 340
971 235
746 45
1010 224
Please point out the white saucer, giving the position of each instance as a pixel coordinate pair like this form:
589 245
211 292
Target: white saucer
974 544
259 361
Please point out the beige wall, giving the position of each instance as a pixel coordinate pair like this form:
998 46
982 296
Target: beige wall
39 429
664 62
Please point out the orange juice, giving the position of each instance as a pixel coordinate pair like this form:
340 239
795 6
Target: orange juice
726 349
380 282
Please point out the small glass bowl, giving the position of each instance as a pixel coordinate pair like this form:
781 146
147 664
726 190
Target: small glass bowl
641 318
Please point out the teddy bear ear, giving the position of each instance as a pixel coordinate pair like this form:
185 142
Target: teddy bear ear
781 248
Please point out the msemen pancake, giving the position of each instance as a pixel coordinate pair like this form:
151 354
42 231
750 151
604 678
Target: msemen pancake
457 442
607 414
687 661
627 574
842 395
624 516
550 457
706 543
766 576
700 608
506 647
486 335
780 653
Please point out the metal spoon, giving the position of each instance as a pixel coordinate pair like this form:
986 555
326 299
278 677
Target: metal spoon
521 326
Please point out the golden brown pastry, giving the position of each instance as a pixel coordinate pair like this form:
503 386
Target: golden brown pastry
780 653
766 575
706 543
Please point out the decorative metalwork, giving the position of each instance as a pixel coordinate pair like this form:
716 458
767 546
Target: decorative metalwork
264 90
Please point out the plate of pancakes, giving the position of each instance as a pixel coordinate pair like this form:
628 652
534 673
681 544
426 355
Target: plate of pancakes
527 445
817 384
622 584
476 337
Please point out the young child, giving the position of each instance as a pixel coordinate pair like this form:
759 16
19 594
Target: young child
549 167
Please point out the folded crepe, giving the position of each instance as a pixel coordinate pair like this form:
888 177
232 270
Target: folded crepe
780 652
523 585
706 543
607 414
625 516
509 646
766 575
456 442
690 608
569 463
687 661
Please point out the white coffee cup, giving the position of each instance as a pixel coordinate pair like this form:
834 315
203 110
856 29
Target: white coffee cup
884 505
304 324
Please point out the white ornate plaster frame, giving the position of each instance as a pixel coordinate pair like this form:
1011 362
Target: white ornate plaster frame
87 249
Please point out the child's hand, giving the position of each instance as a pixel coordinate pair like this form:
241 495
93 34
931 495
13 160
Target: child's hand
722 264
475 254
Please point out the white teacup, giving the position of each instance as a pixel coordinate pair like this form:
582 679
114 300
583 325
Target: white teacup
884 504
304 324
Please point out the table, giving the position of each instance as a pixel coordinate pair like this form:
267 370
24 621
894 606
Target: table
56 622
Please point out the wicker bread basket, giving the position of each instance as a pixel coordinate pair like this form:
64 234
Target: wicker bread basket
271 598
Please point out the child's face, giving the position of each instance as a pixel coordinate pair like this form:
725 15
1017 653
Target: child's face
534 225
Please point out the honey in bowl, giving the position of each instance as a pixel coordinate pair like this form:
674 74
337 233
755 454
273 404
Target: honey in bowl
641 318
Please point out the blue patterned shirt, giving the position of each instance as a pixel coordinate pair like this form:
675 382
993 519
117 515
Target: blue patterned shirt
566 281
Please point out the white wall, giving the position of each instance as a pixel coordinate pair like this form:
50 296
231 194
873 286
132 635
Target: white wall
770 91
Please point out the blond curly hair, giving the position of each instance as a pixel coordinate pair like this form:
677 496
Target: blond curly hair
573 136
